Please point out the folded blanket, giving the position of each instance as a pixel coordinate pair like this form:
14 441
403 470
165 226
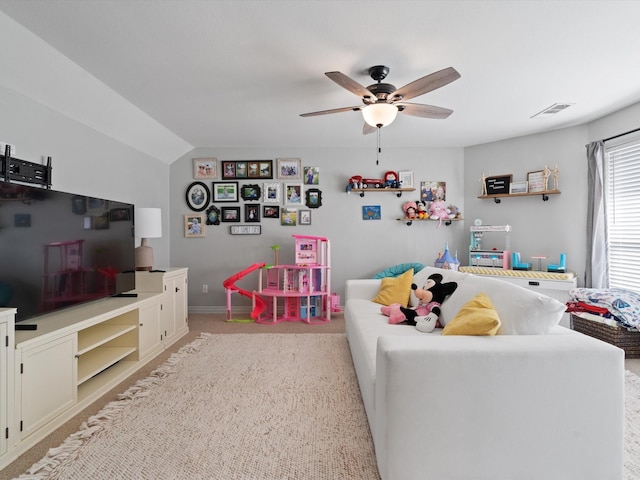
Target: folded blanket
624 305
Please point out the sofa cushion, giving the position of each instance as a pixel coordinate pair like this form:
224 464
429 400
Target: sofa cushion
476 317
395 290
397 270
521 311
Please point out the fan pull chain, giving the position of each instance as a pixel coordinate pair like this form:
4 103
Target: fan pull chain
379 149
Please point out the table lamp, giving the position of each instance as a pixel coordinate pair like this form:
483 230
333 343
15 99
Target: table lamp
148 224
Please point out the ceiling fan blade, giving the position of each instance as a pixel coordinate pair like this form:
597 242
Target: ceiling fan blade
351 85
425 84
333 110
367 129
425 111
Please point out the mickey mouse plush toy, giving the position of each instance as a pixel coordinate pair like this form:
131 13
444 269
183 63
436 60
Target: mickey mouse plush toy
425 315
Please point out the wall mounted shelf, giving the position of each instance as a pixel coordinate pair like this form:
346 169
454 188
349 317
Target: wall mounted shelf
411 220
497 196
397 191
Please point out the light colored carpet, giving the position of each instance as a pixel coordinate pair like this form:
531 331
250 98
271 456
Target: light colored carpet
233 406
239 406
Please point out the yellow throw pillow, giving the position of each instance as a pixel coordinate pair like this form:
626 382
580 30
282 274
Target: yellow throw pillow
395 290
476 317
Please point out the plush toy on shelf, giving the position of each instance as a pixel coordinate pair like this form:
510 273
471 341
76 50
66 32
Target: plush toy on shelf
423 214
425 315
410 209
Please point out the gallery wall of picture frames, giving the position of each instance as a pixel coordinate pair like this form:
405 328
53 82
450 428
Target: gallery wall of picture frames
250 191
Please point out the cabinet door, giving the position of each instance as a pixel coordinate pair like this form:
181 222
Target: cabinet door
149 329
180 304
45 381
4 388
168 310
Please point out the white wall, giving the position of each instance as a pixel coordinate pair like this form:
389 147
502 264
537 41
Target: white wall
85 161
359 248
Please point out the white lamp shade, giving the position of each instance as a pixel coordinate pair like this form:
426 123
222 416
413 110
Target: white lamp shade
379 114
148 222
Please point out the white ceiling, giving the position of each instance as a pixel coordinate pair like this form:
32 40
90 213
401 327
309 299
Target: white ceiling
239 73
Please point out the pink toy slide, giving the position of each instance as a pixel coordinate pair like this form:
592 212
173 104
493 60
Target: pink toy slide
230 287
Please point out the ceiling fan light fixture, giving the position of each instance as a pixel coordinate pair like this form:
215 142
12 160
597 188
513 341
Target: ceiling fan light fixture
380 114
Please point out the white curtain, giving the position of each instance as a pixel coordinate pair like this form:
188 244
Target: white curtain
596 273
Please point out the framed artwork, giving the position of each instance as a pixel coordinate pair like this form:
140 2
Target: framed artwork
311 175
22 220
304 217
270 211
245 229
205 167
79 205
406 179
198 196
225 191
213 215
250 192
288 217
119 215
313 198
252 212
230 214
536 181
289 168
371 212
498 184
293 194
87 223
430 191
236 169
97 204
194 225
272 193
518 187
101 222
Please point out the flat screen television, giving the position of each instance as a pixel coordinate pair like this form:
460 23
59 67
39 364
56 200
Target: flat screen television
58 249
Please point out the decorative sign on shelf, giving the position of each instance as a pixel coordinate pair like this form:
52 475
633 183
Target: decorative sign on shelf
245 230
498 184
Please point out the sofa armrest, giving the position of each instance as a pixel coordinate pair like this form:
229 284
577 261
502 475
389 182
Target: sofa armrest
365 289
503 407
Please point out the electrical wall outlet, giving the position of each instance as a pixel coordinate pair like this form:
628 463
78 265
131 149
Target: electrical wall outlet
4 144
205 288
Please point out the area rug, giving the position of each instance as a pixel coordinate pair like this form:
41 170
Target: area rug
238 406
632 427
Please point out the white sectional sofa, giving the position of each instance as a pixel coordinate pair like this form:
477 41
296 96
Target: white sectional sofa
537 401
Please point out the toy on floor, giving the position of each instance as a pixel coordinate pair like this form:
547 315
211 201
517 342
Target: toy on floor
230 287
425 315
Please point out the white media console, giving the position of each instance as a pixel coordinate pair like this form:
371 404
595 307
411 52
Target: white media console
50 374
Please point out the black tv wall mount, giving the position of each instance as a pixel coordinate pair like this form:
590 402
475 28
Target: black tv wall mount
23 171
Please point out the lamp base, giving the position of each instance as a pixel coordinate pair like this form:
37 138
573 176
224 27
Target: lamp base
144 257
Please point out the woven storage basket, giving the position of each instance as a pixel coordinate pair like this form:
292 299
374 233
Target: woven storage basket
629 341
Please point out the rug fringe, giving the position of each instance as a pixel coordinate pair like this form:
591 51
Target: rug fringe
96 423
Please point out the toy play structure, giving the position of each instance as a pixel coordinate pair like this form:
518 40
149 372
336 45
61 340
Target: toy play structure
492 258
299 292
230 288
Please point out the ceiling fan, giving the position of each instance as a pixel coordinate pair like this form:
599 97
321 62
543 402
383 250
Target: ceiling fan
382 101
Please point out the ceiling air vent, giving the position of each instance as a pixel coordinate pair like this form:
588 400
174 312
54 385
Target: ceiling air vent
552 110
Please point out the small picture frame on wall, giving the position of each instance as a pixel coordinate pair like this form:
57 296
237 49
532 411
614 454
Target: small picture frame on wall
225 191
197 196
406 179
252 212
371 212
311 175
213 215
271 211
293 194
288 217
313 198
230 214
518 187
194 225
272 193
289 168
536 181
304 216
250 192
205 167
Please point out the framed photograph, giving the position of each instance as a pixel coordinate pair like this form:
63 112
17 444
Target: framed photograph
87 223
194 225
289 168
252 212
225 191
230 214
406 179
270 211
250 192
430 191
97 204
22 220
518 187
205 167
198 196
304 217
228 170
536 181
119 215
101 222
213 215
498 184
311 175
241 170
293 194
272 193
235 169
79 205
371 212
313 198
288 217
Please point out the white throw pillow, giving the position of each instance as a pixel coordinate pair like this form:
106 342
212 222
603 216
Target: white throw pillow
522 311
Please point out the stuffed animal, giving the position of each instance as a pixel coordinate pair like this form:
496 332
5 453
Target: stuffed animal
422 210
425 315
410 209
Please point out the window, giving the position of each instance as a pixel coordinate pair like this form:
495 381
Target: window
622 190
